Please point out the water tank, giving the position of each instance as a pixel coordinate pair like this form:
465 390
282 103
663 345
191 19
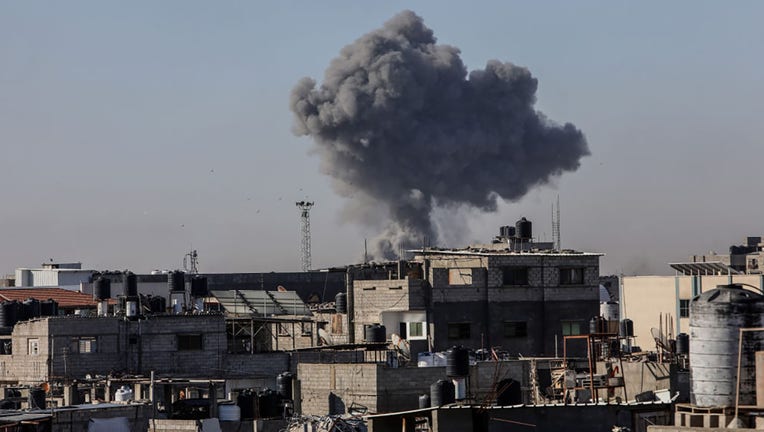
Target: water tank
715 319
682 343
268 404
457 362
508 392
102 288
9 313
246 402
129 284
442 393
523 229
341 303
199 287
597 325
32 308
424 401
284 384
229 412
376 333
609 310
123 394
36 398
176 281
49 307
627 328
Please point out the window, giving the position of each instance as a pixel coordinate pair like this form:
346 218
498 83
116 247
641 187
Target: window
281 330
572 276
190 342
306 328
416 330
458 330
515 329
572 328
515 276
34 347
460 276
684 308
86 345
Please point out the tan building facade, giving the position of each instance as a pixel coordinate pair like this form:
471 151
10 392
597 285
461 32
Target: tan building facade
645 299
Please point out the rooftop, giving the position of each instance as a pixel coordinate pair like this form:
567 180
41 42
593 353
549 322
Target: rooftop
65 298
476 251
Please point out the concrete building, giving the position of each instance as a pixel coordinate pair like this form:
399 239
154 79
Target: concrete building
485 296
66 275
747 258
68 348
649 300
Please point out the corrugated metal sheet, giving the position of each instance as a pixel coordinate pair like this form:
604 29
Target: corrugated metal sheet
261 303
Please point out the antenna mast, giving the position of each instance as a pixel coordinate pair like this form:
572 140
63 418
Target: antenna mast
191 262
305 207
556 225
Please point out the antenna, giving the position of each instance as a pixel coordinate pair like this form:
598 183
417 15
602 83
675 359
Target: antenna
305 207
556 225
191 262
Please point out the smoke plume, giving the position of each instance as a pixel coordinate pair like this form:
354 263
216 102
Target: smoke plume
399 122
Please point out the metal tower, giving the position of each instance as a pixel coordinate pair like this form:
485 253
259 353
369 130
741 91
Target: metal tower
556 225
191 262
305 207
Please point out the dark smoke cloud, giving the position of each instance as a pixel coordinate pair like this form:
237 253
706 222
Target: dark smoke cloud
398 121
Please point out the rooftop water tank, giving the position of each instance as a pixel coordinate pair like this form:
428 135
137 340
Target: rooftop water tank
229 412
123 394
284 384
176 281
523 229
716 317
102 288
457 362
441 393
376 333
130 284
341 303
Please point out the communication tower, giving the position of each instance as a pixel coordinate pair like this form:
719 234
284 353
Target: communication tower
191 262
305 207
556 225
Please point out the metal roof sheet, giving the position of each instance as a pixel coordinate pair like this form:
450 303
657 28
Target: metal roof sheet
260 302
702 268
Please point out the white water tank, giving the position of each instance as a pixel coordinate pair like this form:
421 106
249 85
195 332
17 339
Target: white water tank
123 394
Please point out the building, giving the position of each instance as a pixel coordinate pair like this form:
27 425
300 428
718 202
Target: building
66 275
747 258
511 296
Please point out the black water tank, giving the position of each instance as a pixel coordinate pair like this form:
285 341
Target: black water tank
627 328
424 401
597 324
682 343
49 307
36 398
523 229
457 362
341 303
9 313
176 281
32 308
199 287
268 404
246 403
508 392
442 392
284 384
129 284
376 333
102 288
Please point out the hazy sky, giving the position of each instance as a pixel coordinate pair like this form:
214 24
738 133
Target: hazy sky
134 131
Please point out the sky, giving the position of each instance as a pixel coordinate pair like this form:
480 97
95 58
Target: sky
131 133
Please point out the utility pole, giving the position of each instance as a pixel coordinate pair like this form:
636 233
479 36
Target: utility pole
305 207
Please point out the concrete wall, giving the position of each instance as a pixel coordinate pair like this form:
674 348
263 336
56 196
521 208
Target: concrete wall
335 387
372 297
136 347
645 298
78 419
